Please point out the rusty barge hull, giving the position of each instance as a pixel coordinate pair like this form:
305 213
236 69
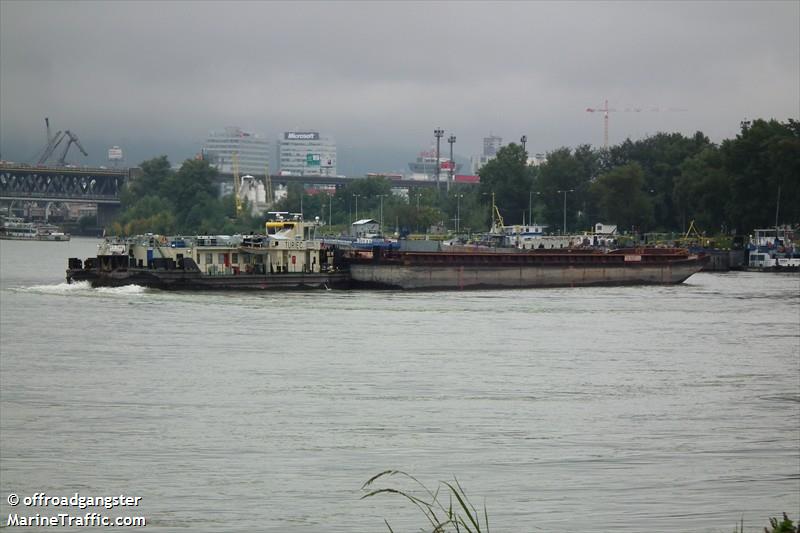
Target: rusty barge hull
462 272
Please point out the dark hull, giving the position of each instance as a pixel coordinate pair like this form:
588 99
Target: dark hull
181 280
432 271
772 269
421 271
40 238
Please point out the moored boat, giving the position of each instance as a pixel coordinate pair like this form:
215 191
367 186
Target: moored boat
13 228
773 249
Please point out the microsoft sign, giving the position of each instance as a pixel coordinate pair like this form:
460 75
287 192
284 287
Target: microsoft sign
301 136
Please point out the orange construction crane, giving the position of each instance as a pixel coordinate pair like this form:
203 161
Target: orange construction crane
606 110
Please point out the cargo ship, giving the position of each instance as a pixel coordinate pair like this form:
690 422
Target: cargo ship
503 269
285 257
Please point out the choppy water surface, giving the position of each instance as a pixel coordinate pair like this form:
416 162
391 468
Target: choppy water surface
606 409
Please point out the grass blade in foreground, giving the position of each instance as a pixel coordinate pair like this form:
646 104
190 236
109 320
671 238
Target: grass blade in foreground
466 518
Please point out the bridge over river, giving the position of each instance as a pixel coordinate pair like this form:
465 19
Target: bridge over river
100 186
103 186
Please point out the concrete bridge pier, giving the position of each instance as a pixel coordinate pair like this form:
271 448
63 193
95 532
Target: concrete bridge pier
106 214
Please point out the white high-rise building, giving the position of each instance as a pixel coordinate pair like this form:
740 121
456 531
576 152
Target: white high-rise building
491 145
307 153
252 150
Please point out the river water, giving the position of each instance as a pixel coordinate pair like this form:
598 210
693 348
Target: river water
605 409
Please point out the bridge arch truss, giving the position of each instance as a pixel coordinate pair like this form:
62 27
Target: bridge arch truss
102 186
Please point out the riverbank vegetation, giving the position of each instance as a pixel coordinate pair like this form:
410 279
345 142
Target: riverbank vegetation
446 508
184 201
657 184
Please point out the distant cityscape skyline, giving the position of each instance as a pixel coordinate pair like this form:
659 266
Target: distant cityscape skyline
350 159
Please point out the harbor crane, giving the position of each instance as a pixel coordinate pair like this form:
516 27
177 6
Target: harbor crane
52 143
55 141
606 110
73 139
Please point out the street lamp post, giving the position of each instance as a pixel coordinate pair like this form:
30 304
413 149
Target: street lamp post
523 140
438 132
381 197
564 227
530 206
491 208
356 196
330 208
417 217
458 212
451 140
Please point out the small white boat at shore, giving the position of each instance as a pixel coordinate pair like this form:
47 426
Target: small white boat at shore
16 229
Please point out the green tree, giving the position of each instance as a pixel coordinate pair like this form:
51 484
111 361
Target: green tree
621 200
573 172
193 184
660 156
186 201
510 178
154 174
702 192
764 164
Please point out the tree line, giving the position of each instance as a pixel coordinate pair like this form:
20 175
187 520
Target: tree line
184 201
656 184
659 183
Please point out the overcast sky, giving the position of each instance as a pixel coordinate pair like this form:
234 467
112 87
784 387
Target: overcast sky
382 76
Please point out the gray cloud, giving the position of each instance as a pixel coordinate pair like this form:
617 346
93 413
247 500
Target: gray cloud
386 73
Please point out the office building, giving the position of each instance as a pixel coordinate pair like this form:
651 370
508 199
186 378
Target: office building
307 153
491 145
252 150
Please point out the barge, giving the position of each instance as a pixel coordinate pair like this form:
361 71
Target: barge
288 256
524 269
